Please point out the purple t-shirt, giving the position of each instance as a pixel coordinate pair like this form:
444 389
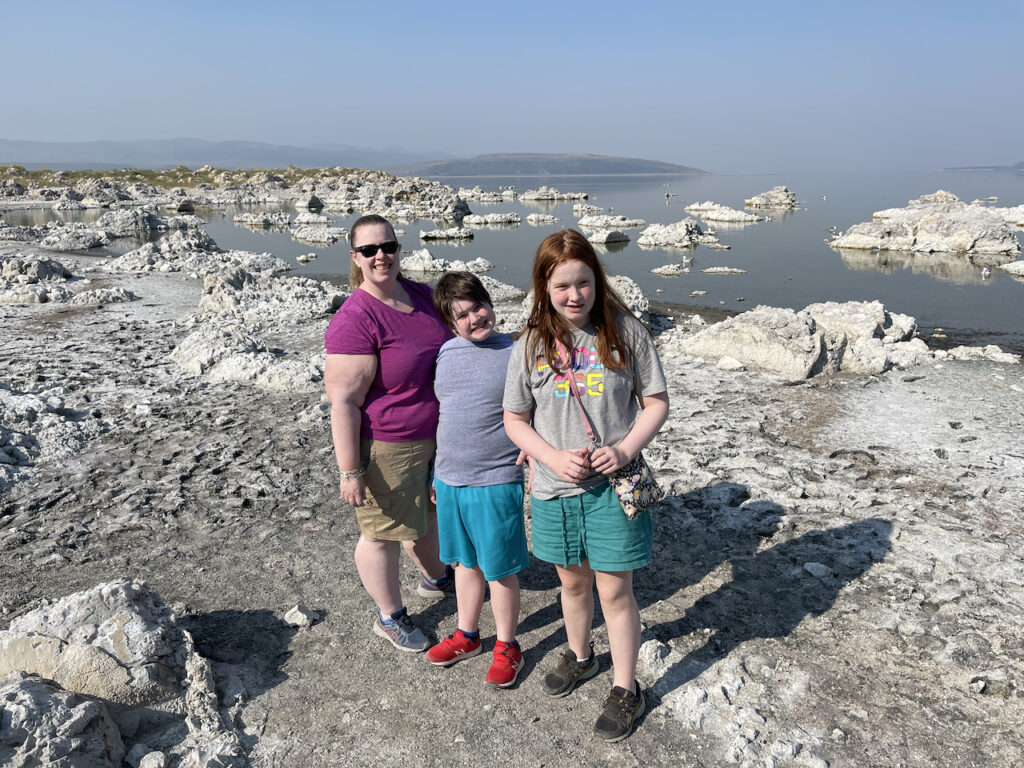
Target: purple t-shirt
400 404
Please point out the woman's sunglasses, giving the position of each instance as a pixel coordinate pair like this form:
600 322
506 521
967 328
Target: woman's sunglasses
369 251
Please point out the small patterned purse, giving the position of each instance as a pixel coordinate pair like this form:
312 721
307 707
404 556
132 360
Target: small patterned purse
633 482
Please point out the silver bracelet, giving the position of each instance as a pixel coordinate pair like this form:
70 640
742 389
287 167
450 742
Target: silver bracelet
352 474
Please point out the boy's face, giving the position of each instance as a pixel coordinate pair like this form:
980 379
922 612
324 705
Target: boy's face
474 321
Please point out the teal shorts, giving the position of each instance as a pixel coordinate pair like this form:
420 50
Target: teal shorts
591 526
482 527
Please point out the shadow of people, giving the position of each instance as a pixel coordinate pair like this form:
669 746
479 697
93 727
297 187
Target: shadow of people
772 591
248 648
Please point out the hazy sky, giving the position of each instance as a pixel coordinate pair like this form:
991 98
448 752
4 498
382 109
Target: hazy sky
727 87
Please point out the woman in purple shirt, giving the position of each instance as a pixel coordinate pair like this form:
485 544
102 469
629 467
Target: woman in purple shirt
381 347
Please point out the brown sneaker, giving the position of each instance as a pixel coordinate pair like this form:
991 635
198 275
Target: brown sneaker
621 709
568 672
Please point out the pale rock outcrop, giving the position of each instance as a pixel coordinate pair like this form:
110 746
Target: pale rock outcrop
268 300
1014 268
229 352
26 270
541 219
262 220
501 292
491 219
671 270
724 271
40 425
480 195
319 234
128 222
609 221
117 641
860 337
710 211
778 197
937 222
41 724
774 339
687 233
309 202
988 352
116 295
605 236
314 219
631 294
422 260
74 237
585 209
550 193
453 233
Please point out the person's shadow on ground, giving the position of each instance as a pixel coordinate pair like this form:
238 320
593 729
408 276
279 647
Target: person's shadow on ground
694 533
772 591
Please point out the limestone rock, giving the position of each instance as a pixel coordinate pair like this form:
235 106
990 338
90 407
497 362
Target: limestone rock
454 233
543 219
41 724
778 197
491 219
116 641
609 222
710 211
934 223
777 340
687 233
605 236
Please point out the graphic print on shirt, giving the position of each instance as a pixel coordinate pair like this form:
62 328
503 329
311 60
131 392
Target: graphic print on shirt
586 367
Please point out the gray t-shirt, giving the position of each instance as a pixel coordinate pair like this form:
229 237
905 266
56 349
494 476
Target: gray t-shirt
609 397
472 447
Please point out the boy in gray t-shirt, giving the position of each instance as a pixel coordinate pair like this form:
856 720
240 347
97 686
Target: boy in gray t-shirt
478 480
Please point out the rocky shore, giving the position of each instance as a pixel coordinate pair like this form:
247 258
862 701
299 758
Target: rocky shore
836 578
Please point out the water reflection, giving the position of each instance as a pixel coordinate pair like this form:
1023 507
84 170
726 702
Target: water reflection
955 268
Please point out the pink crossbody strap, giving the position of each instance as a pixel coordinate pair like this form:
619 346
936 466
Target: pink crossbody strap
571 376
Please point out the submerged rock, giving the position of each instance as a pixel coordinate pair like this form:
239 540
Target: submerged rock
454 233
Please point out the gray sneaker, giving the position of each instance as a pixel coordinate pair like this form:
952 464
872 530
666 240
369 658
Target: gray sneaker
402 633
568 672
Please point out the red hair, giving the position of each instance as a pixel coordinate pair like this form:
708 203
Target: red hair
545 325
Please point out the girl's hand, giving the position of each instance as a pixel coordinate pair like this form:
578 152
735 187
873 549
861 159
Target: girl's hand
572 465
608 458
353 491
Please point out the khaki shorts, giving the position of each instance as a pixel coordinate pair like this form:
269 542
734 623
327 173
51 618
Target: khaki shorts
397 489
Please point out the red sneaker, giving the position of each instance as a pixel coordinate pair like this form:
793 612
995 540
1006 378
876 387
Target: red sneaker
453 648
508 660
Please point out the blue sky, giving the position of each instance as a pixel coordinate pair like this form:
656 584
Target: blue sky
731 87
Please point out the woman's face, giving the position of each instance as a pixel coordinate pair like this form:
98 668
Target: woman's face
571 291
380 268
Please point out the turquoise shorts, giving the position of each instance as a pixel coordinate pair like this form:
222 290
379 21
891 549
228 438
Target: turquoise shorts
482 527
591 526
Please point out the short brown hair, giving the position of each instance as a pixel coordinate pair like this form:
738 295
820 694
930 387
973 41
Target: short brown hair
458 286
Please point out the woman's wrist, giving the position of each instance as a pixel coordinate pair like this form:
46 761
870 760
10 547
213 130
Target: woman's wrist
351 474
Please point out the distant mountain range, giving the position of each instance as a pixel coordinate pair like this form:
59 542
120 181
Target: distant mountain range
536 164
1015 167
195 153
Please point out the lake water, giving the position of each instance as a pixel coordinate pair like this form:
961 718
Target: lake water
786 260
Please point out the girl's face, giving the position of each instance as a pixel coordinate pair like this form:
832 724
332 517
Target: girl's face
571 291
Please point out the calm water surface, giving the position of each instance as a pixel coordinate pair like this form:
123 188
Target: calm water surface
787 261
